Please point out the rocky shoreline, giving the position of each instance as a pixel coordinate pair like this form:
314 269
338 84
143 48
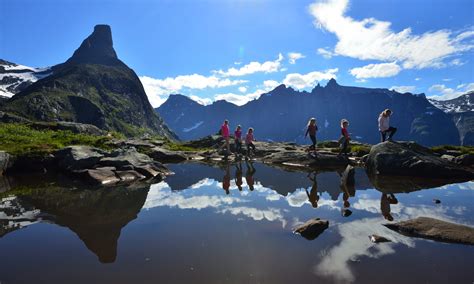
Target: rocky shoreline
141 159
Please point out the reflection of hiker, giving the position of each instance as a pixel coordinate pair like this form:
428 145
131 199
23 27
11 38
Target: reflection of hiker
345 138
384 125
345 211
385 202
311 130
249 142
238 139
313 196
238 175
249 175
226 180
226 135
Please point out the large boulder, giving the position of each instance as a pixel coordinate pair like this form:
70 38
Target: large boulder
434 229
312 228
5 161
411 159
124 158
166 156
78 157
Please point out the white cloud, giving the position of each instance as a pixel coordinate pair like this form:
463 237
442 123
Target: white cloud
403 89
239 99
325 53
253 67
203 101
242 89
417 79
372 39
301 81
293 56
270 84
158 90
447 79
442 92
381 70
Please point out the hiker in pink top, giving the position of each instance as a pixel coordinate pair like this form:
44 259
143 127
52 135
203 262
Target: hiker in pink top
226 135
249 141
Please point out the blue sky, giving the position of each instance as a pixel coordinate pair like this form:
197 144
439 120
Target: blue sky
236 50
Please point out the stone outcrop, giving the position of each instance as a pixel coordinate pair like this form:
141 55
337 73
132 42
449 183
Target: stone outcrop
434 229
411 159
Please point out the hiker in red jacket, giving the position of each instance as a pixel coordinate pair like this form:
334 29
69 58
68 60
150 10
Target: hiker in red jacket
226 135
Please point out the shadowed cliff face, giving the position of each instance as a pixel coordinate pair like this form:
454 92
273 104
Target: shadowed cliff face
94 87
282 114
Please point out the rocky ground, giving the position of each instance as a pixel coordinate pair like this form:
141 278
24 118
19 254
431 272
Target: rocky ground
140 159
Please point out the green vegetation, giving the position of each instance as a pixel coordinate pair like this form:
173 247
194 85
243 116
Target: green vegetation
444 148
360 150
22 139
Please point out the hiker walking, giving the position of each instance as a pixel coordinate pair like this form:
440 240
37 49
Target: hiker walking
384 126
249 142
238 139
226 135
345 138
311 130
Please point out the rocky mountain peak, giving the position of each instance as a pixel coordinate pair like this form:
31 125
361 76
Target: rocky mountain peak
96 48
332 83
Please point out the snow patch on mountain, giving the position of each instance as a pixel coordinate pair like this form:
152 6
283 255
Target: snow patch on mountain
193 127
15 77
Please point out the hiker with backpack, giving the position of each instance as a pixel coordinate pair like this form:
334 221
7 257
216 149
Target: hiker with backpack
384 126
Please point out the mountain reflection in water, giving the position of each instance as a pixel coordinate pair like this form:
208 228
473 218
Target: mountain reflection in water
246 192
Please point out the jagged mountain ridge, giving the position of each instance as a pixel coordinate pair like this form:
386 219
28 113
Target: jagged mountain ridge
93 87
281 115
461 110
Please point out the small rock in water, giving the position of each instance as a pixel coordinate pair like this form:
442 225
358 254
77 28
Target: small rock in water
378 239
437 201
312 228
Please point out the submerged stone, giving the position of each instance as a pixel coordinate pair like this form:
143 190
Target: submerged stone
434 229
312 228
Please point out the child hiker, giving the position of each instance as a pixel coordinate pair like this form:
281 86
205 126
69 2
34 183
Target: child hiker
345 138
238 139
226 135
249 141
311 130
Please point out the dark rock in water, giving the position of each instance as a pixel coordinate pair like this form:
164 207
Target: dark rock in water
378 239
312 228
100 176
411 159
5 161
437 201
434 229
78 157
166 156
129 175
346 212
149 170
399 184
466 160
347 178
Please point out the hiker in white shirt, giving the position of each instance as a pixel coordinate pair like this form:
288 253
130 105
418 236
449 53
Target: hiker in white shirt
384 125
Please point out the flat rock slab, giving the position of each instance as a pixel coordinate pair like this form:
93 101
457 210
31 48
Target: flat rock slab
166 156
434 229
312 228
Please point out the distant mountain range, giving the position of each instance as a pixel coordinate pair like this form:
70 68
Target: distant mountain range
92 87
282 114
461 110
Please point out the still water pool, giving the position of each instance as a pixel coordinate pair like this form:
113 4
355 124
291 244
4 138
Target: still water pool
229 224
